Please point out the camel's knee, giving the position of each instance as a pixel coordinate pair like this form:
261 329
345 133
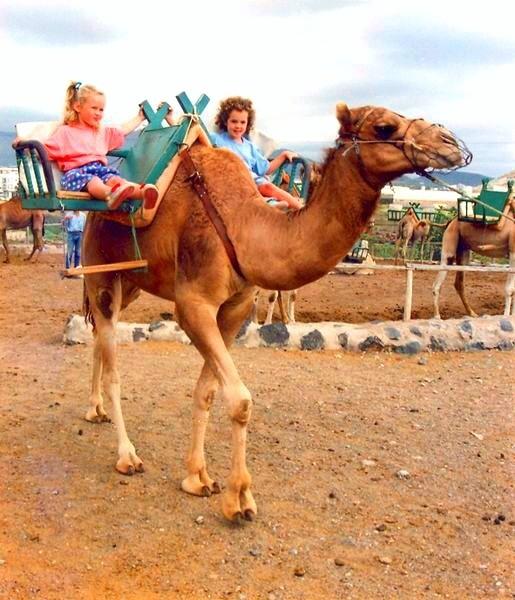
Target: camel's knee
204 398
240 410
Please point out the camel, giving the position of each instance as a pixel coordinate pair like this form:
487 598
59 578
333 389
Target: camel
213 287
286 300
496 241
411 229
13 216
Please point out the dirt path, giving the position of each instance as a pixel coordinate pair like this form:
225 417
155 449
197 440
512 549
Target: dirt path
329 435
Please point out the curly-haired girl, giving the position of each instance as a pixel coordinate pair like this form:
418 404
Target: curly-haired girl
234 120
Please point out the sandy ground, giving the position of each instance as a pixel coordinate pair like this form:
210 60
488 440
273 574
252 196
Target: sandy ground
376 475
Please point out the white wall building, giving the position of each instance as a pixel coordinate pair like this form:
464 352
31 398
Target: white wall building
8 182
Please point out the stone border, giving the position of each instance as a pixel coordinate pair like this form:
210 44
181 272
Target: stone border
412 337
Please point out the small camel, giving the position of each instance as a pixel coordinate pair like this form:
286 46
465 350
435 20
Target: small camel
213 294
411 229
496 241
13 216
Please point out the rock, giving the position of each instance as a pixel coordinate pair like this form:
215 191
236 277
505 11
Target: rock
422 360
368 463
385 560
314 340
255 552
403 474
339 562
299 571
199 520
381 527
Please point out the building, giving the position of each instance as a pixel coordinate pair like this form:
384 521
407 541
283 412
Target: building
8 182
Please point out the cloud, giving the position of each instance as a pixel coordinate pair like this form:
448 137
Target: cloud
50 27
439 48
287 8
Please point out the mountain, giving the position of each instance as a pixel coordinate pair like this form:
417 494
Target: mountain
453 178
7 157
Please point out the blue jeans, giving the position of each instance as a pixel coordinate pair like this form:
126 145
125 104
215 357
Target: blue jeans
73 248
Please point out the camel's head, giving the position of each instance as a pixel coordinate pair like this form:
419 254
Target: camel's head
387 144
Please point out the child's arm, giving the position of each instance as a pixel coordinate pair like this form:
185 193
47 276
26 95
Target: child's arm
279 160
131 124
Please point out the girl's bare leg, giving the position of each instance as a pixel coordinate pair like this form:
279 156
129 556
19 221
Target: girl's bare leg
271 190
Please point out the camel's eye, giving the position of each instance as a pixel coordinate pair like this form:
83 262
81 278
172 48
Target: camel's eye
384 132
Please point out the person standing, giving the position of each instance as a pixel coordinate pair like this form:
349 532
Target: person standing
73 222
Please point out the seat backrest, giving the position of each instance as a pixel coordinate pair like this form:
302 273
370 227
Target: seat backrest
39 131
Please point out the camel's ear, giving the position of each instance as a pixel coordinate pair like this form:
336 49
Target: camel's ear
343 115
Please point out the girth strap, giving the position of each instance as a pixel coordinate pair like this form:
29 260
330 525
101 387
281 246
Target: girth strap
198 184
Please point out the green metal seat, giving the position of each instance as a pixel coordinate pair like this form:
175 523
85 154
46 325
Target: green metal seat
142 163
489 208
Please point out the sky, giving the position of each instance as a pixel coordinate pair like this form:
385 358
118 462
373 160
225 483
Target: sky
449 61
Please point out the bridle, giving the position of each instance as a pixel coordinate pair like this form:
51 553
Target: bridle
355 140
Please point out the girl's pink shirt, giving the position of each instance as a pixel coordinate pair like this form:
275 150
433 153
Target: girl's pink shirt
73 146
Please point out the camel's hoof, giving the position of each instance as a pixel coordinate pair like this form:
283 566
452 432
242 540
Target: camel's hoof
216 489
248 515
94 417
129 469
206 492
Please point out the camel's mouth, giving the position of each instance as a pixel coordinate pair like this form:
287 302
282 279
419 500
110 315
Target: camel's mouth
451 154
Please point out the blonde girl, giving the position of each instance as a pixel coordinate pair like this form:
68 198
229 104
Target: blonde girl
80 146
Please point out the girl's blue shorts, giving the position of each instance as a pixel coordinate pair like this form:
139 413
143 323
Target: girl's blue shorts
75 180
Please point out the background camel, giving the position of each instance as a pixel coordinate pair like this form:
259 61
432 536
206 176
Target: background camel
286 301
461 238
13 216
411 229
189 264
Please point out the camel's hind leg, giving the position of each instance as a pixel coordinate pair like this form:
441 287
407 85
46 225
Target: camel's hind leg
37 244
509 305
105 303
212 332
463 258
6 246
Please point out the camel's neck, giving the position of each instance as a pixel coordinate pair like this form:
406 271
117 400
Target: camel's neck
302 247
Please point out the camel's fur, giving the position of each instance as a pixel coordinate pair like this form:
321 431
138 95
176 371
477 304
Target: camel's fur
411 229
13 216
496 241
278 251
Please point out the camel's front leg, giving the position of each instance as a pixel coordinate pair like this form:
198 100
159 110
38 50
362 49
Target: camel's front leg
272 298
198 481
211 333
463 258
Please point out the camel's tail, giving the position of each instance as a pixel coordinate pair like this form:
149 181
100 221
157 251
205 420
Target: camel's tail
86 308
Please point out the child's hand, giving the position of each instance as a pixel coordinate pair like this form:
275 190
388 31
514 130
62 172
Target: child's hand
169 114
16 141
289 156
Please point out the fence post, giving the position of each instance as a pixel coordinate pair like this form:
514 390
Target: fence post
409 293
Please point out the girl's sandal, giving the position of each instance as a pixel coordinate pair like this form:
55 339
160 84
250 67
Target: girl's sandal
119 193
149 194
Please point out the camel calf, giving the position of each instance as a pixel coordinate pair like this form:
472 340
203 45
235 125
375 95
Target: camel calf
411 229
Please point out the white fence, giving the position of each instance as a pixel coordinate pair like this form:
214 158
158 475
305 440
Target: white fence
411 267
